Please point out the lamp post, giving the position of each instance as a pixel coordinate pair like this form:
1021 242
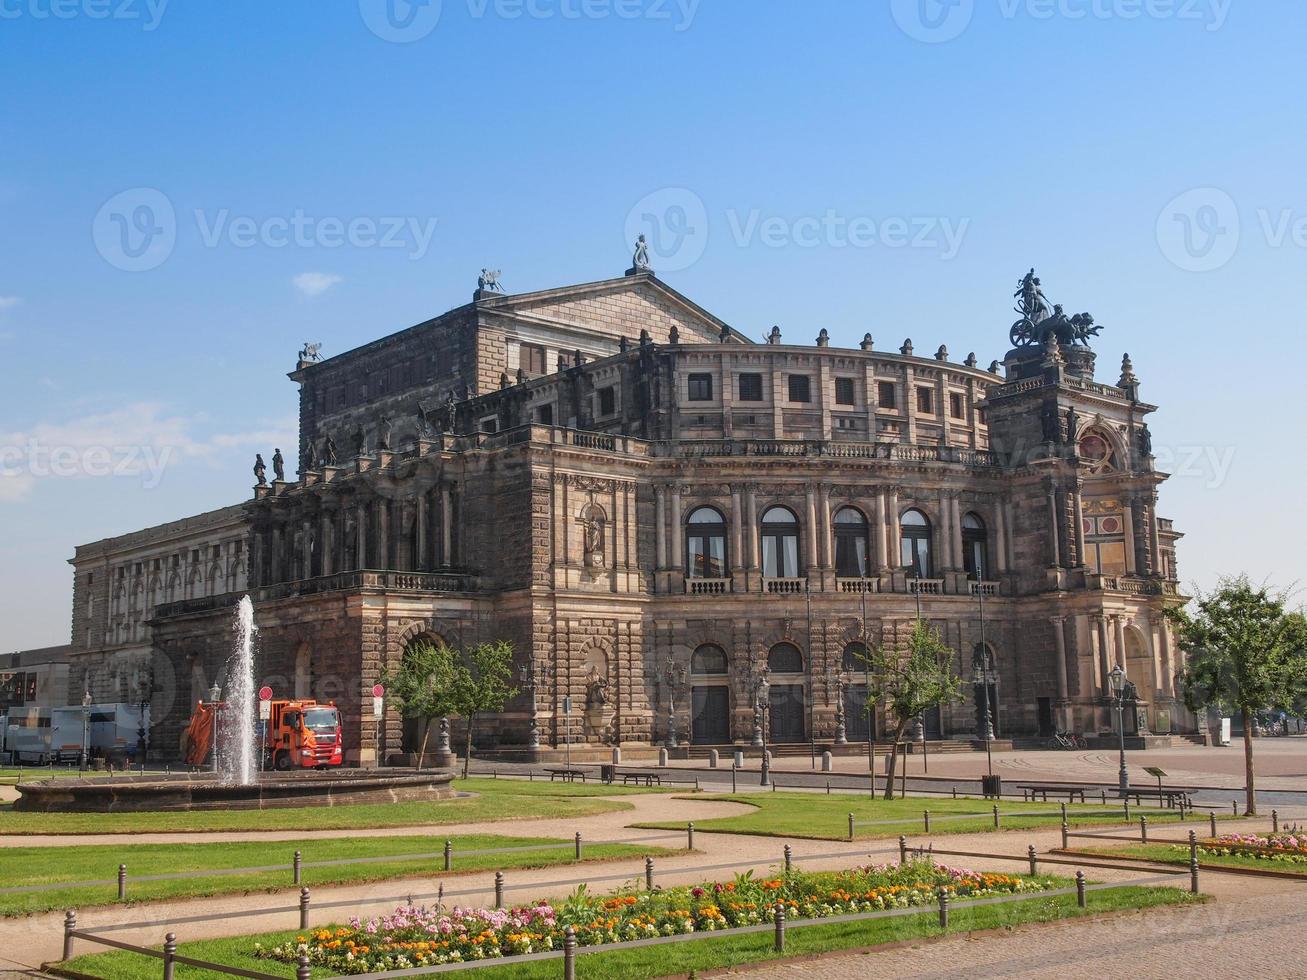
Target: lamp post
763 705
215 692
143 732
841 731
1117 680
675 679
534 676
86 726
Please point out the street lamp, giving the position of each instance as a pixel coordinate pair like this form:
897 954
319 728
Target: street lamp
534 676
215 692
1117 680
985 678
841 730
763 704
86 727
675 678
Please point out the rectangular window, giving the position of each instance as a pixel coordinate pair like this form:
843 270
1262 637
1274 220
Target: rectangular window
800 388
926 401
955 406
490 424
607 401
886 394
700 387
844 394
750 387
531 359
545 414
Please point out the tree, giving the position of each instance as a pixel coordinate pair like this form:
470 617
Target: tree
1243 653
423 686
482 682
911 683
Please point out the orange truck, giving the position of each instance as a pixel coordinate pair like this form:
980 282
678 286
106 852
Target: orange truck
300 734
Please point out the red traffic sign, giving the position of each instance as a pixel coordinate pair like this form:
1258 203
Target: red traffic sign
265 693
378 691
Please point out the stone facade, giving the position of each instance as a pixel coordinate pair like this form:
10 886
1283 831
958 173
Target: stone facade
663 509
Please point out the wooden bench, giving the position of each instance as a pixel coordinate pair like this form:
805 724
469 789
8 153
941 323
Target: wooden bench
1031 792
648 778
566 775
1170 798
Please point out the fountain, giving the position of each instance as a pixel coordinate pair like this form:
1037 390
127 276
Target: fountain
237 748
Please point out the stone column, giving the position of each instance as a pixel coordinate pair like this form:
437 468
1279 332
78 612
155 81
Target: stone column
955 513
1096 657
421 559
674 543
1105 654
327 542
882 533
1118 640
275 564
1055 545
1154 538
1078 515
446 528
1168 665
894 530
383 533
825 521
1059 646
811 505
751 533
1128 528
1000 537
947 559
660 527
737 528
361 539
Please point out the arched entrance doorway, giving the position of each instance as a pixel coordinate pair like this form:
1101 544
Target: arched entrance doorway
710 696
859 725
785 717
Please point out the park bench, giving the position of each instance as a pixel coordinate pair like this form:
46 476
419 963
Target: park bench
1170 798
1030 792
648 778
566 775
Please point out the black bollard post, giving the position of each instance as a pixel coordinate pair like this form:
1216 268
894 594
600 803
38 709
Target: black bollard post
995 816
1102 795
169 955
789 859
70 926
689 836
122 882
499 889
1125 802
295 865
925 819
578 845
304 908
1275 821
850 827
1066 834
648 874
302 970
1234 808
780 927
1212 823
943 907
569 953
1193 863
1080 889
1034 864
734 769
903 849
1143 829
1063 806
449 855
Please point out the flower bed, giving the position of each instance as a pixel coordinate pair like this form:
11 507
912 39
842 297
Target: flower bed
1289 848
416 936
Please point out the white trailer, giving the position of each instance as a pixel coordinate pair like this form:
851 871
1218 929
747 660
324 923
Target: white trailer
27 735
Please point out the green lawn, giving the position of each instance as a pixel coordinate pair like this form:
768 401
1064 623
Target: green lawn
495 799
49 865
1179 854
823 817
679 958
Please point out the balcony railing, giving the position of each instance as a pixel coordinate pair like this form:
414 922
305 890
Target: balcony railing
707 586
983 588
926 586
1137 586
784 586
857 585
703 448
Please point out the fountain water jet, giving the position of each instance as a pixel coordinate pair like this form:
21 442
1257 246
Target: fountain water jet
238 756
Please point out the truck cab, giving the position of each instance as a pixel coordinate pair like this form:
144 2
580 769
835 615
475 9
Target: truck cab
303 735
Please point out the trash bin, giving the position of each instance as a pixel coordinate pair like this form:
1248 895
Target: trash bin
606 772
991 787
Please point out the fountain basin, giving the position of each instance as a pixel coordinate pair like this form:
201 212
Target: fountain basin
200 791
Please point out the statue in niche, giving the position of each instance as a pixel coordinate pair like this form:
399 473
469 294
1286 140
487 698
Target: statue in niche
1072 426
450 413
1145 441
592 536
328 451
1049 421
596 689
383 435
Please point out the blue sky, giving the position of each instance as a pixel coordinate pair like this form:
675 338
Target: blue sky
891 167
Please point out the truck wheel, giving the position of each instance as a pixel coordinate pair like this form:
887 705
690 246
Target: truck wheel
281 762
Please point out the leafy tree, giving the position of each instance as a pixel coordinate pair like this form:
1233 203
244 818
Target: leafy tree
911 683
423 686
482 682
1244 653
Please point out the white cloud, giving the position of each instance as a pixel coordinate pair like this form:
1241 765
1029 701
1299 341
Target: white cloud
9 302
312 284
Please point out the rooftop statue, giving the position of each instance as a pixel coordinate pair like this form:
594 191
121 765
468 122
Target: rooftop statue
278 466
489 281
260 470
1038 322
311 353
640 260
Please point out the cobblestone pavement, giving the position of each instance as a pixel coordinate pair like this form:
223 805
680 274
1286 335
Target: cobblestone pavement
1250 936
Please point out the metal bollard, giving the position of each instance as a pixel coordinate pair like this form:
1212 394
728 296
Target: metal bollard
1063 806
1080 889
828 787
1212 823
734 769
1275 821
1034 864
499 889
122 882
850 826
903 849
1102 795
943 907
70 924
689 836
648 874
1125 802
1234 807
1143 829
295 865
789 859
578 845
569 953
304 908
1066 834
169 955
995 815
925 819
1193 863
303 971
449 855
955 792
780 927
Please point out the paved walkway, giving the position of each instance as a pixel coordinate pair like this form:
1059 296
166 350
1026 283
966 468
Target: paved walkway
25 943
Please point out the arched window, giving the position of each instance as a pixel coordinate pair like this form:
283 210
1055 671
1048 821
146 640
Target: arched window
914 529
780 543
975 547
853 662
850 543
785 658
708 659
705 544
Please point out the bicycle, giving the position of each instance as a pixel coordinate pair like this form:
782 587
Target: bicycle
1067 741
